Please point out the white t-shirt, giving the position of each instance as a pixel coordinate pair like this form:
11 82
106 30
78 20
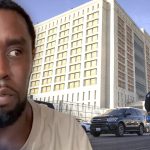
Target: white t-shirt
52 130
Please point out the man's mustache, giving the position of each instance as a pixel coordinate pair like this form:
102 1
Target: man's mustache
4 84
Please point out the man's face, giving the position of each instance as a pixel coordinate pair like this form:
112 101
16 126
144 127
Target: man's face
15 61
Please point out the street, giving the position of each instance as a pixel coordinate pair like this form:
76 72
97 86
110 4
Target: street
128 142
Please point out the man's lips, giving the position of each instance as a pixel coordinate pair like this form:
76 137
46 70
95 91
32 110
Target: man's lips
5 91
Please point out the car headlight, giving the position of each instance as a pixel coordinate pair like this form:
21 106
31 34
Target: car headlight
112 119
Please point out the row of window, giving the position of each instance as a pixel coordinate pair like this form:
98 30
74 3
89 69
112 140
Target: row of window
51 45
75 15
76 33
75 67
72 84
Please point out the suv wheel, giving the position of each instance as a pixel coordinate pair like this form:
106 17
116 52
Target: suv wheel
141 130
95 134
120 130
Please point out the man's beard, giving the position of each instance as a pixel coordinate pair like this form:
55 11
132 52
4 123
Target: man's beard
9 117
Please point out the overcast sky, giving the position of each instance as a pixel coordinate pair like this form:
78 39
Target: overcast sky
40 10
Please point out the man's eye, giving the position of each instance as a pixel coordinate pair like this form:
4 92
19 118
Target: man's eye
14 53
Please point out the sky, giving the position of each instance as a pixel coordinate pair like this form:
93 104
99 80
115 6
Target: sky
40 10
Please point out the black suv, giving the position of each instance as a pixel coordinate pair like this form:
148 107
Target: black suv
119 121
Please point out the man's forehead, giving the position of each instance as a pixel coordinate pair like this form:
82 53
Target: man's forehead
12 17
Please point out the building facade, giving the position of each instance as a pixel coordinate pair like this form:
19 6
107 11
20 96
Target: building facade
93 54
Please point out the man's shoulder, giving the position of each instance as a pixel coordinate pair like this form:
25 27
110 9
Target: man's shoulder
60 126
51 114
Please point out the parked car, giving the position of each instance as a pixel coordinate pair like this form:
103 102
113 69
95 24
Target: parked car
119 121
86 126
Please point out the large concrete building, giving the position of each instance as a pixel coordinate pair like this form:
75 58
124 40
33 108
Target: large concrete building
92 54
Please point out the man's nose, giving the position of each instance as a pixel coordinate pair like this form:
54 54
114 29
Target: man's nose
4 67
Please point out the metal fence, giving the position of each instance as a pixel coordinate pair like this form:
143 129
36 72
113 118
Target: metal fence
80 111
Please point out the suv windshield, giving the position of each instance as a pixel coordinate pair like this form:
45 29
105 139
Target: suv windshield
114 112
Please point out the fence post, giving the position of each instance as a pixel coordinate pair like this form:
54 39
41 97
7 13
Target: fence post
60 106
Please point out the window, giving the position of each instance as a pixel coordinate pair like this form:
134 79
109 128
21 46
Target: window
92 39
34 91
48 66
34 83
50 51
77 28
75 67
37 61
75 59
47 73
92 31
121 84
89 93
49 58
74 84
64 33
91 81
62 55
46 81
77 36
90 73
59 87
41 35
73 76
60 78
76 51
91 64
63 40
38 55
91 55
92 16
52 31
35 76
41 41
62 47
92 23
51 38
76 43
64 26
61 62
78 21
61 70
91 47
36 68
51 44
45 89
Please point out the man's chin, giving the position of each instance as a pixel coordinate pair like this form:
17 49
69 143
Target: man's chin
10 116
